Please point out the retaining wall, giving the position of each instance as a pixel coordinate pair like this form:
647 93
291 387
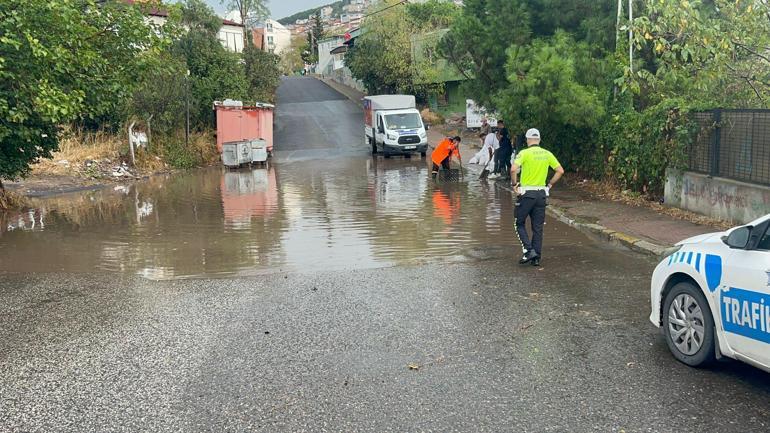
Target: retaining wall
726 199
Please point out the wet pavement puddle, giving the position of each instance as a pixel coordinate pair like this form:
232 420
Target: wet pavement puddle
345 213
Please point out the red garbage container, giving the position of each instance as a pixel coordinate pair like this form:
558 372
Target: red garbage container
236 122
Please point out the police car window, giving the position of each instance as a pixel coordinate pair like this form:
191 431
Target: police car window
764 244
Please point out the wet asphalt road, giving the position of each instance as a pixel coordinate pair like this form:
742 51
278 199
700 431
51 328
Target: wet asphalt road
314 121
493 346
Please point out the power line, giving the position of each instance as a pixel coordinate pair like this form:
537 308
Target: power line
384 9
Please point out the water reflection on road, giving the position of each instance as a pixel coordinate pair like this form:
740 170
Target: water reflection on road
354 212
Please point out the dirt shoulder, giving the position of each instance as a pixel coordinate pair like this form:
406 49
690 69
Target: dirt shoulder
44 185
98 160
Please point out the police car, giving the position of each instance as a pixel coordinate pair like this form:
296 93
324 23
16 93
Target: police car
711 296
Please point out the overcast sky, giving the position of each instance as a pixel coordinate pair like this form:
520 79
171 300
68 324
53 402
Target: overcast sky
278 8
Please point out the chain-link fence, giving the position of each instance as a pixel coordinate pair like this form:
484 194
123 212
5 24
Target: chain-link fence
733 144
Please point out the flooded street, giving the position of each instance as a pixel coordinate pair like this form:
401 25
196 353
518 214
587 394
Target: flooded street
356 212
333 291
323 203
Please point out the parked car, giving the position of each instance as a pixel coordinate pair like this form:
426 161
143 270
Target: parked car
711 296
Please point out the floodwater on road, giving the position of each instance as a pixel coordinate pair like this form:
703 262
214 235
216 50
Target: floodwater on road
343 213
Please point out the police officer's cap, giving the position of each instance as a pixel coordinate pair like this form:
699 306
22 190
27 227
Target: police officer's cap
533 133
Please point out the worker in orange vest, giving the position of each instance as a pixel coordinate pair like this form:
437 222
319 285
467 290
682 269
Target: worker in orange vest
443 153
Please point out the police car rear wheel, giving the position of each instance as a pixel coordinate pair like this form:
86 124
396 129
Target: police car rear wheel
688 325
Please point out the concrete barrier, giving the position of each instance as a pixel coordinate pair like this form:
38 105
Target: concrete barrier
729 200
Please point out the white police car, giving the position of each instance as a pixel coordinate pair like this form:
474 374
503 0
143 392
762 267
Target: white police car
711 296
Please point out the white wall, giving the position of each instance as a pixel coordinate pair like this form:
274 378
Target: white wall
155 20
277 37
326 60
231 37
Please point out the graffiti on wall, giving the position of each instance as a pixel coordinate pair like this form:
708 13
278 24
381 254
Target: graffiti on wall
715 195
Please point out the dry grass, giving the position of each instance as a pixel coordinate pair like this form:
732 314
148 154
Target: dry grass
12 200
76 147
431 117
205 144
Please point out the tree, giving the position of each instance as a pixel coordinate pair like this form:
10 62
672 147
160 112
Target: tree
551 86
291 58
432 14
315 34
215 73
262 74
383 57
713 52
251 12
198 17
166 102
478 42
61 62
483 33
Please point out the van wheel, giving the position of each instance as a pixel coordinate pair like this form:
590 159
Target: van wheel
688 325
423 154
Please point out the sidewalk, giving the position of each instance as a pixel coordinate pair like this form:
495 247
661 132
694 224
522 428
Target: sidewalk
639 228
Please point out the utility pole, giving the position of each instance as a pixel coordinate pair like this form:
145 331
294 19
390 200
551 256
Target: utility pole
187 109
617 24
631 35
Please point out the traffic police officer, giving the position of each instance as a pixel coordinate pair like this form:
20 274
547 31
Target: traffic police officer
532 191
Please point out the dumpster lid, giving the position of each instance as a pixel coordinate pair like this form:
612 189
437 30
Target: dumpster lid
231 104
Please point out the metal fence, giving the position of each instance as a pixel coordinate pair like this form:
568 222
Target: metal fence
733 144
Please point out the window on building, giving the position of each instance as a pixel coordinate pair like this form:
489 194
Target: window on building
270 40
269 27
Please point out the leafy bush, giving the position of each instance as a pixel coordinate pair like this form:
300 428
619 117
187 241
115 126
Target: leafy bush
550 89
263 72
62 62
639 146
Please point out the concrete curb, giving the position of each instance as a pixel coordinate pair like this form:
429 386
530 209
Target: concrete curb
611 236
608 235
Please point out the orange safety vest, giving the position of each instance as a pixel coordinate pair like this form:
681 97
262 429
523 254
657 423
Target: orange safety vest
444 149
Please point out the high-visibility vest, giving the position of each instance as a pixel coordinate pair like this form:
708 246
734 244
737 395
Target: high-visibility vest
444 149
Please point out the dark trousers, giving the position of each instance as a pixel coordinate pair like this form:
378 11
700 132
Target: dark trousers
503 160
531 204
444 164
